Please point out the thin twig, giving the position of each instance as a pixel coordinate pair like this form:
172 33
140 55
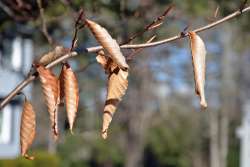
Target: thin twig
6 9
44 23
11 14
203 28
216 11
242 6
136 51
30 78
154 24
77 28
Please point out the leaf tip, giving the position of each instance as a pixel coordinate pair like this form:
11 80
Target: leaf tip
107 117
105 134
56 137
26 156
71 131
203 103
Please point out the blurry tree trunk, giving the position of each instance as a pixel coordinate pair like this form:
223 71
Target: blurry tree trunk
139 113
136 139
134 144
244 90
227 92
137 122
219 121
214 138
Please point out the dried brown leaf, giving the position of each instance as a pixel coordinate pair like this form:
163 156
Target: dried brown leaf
51 91
27 129
102 59
59 51
71 91
117 86
61 84
108 43
106 62
198 51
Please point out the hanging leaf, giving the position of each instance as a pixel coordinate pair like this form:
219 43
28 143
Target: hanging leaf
198 51
59 51
61 85
117 86
108 43
107 63
27 129
102 59
51 91
71 91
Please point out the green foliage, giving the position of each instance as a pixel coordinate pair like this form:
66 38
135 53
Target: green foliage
105 151
77 151
172 140
55 8
73 152
41 159
45 159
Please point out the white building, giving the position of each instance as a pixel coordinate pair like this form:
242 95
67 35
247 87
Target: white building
15 61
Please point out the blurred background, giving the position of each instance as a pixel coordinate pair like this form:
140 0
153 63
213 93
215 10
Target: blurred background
159 122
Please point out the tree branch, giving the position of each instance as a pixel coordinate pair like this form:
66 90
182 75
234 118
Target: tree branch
153 25
203 28
78 26
44 23
32 76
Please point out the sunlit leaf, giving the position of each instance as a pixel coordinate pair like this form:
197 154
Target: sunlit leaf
198 51
27 129
51 91
108 43
58 51
71 92
117 86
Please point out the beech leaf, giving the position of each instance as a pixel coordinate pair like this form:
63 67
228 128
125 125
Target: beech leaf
61 85
108 43
71 92
116 89
27 129
198 51
102 59
51 91
58 51
106 62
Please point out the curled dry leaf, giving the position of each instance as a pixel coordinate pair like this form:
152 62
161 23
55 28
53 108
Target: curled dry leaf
108 43
51 91
198 51
102 59
71 92
59 51
106 62
117 86
27 129
61 85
